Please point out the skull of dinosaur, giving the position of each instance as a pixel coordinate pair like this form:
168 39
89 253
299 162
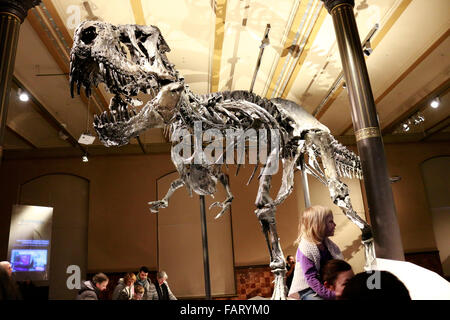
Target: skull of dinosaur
128 59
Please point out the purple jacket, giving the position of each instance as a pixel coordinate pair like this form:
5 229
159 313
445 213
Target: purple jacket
312 275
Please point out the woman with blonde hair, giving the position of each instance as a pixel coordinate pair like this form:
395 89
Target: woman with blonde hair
314 250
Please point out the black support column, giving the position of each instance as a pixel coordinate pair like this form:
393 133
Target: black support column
388 243
12 14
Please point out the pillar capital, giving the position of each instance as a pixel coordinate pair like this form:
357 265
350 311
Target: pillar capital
331 4
18 8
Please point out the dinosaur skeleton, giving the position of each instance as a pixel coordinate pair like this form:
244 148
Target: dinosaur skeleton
130 59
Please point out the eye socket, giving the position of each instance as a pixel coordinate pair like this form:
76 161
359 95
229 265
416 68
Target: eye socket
124 38
140 35
88 35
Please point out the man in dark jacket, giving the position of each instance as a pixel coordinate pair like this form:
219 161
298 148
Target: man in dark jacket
91 289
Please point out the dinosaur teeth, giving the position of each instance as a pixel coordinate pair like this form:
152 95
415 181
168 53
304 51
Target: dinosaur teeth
101 67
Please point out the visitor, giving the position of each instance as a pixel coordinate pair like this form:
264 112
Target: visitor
125 288
335 275
290 267
162 287
90 290
143 280
8 287
138 292
314 250
375 285
7 267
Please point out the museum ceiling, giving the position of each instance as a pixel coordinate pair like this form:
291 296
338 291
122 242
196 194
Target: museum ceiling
215 44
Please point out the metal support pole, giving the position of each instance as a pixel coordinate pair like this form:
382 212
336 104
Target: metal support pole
386 231
264 43
306 189
12 14
205 248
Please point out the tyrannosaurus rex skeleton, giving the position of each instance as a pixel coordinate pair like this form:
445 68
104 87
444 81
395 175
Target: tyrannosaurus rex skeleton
130 59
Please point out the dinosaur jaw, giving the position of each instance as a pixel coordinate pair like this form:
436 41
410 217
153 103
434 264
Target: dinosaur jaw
121 123
120 77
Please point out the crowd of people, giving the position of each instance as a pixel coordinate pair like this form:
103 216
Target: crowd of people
130 287
318 271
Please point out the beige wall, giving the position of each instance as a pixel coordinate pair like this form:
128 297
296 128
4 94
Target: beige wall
436 175
122 232
68 195
410 198
180 243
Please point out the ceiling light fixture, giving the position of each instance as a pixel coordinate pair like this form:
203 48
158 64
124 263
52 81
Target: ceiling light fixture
85 158
23 96
405 127
435 103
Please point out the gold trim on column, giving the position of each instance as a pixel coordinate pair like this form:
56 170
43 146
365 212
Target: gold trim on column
11 14
365 133
340 5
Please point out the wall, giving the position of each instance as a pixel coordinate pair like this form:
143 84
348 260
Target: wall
122 232
68 196
436 175
410 198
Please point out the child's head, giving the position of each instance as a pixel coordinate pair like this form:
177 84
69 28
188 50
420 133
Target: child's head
138 292
386 286
335 274
316 224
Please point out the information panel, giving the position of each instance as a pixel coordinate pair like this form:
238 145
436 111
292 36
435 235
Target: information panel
30 242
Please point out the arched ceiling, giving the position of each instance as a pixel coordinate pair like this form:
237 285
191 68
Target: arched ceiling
215 44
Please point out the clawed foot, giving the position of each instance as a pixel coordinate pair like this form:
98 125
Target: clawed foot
156 205
279 288
224 205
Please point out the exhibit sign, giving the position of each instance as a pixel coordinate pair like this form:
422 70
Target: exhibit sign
30 242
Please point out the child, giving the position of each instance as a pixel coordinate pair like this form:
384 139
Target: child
138 292
314 250
335 274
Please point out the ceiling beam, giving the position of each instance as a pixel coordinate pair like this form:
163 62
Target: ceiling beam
322 108
219 35
20 137
48 116
58 42
412 67
138 12
438 127
440 90
68 38
305 46
291 46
